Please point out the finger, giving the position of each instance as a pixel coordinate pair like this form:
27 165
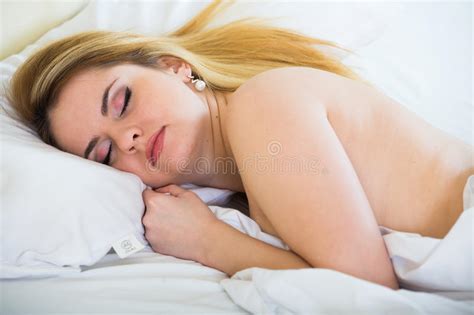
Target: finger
149 195
174 190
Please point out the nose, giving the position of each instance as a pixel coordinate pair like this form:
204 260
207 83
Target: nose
130 140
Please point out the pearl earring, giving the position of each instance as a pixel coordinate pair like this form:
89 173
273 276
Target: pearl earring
200 85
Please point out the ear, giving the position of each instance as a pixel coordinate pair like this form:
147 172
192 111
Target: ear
175 65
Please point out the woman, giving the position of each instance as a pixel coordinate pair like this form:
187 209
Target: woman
322 157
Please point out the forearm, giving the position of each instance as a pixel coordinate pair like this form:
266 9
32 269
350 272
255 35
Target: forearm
229 250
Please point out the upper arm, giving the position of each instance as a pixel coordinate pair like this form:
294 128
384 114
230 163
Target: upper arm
294 165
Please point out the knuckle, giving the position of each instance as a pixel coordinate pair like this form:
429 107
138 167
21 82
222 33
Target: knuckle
151 202
146 222
188 193
150 235
156 248
147 234
146 193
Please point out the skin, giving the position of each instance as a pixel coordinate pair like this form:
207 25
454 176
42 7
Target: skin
420 170
425 198
192 122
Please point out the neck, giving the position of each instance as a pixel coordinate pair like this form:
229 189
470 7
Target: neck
224 172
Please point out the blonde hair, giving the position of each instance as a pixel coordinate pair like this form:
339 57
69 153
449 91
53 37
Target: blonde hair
224 57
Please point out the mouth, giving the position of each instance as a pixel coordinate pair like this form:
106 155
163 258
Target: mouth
154 146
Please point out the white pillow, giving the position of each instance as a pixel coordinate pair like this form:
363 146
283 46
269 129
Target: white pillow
60 211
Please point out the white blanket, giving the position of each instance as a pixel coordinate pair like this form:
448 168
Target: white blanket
323 291
148 282
420 263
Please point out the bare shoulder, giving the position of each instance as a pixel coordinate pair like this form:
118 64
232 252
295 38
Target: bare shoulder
283 95
288 82
295 75
305 112
272 101
273 92
293 89
295 170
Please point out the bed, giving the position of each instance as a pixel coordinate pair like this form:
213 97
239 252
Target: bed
60 239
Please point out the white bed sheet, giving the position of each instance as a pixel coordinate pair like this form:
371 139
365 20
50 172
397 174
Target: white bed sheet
152 283
143 283
416 73
149 281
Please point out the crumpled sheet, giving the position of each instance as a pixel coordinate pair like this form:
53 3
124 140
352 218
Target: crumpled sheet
441 266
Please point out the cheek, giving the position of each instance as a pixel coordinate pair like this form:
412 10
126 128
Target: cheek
130 164
150 176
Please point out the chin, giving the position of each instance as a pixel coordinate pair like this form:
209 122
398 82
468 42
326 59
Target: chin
180 165
183 157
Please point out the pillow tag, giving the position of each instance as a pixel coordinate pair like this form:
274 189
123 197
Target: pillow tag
127 245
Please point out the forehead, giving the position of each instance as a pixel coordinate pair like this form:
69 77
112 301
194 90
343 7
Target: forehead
88 76
85 83
97 75
77 110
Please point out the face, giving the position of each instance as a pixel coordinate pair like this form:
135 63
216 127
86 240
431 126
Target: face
139 102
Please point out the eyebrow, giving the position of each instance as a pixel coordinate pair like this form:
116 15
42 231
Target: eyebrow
104 112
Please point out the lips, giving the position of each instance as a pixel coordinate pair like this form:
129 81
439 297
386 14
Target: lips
155 146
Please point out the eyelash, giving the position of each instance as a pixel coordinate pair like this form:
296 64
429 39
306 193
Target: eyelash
128 94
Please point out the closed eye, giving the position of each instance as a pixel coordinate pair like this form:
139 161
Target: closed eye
107 157
128 94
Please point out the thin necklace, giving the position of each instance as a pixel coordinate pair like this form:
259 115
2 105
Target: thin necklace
219 120
212 128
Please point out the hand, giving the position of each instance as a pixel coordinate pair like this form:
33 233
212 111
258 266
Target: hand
176 221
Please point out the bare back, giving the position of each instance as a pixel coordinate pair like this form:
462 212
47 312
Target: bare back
412 173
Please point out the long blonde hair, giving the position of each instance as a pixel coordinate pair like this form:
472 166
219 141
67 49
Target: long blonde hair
224 57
